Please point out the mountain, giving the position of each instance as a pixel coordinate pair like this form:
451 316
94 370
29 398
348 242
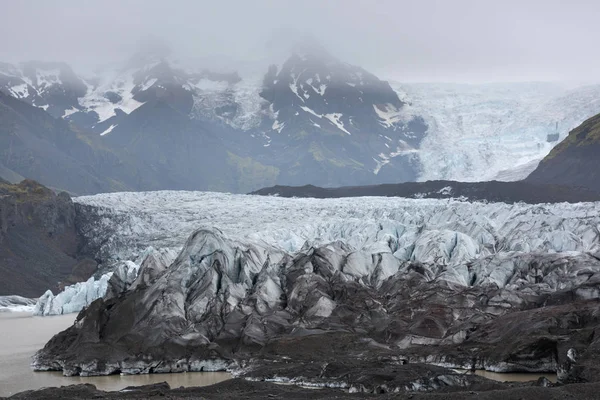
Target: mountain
51 86
158 147
575 160
152 124
39 242
316 119
35 145
337 123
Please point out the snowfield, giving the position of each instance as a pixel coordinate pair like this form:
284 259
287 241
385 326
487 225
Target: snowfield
454 236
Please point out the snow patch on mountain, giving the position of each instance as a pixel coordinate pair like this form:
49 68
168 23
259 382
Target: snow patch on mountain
388 114
70 111
121 84
20 91
336 119
47 78
109 129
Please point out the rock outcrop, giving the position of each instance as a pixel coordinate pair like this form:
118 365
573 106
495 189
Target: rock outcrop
38 240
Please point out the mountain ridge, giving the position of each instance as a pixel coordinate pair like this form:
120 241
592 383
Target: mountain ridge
311 120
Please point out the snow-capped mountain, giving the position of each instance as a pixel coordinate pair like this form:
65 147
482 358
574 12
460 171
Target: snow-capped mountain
312 119
315 120
342 114
51 86
114 95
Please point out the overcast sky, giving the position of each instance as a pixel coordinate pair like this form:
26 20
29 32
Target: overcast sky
418 40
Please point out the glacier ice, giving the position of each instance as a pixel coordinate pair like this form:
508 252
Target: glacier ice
417 275
450 232
125 275
73 298
378 234
493 131
16 304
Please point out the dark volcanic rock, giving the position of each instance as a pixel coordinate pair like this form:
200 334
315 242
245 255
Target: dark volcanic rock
38 240
376 376
243 389
506 192
225 304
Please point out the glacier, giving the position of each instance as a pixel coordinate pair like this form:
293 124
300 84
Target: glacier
124 224
501 131
501 287
121 276
16 304
73 298
128 227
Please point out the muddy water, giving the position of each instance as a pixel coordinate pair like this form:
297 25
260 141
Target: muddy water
21 335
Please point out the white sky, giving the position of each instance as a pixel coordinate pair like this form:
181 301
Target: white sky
416 40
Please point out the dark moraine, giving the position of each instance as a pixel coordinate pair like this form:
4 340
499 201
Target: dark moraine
495 191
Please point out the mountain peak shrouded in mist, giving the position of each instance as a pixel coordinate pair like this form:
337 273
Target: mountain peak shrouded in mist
149 50
309 47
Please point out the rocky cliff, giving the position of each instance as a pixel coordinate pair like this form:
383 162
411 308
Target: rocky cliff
38 240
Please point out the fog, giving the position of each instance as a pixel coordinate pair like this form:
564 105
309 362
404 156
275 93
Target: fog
425 40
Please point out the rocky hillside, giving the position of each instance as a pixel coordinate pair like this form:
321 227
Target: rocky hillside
35 145
575 161
38 241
